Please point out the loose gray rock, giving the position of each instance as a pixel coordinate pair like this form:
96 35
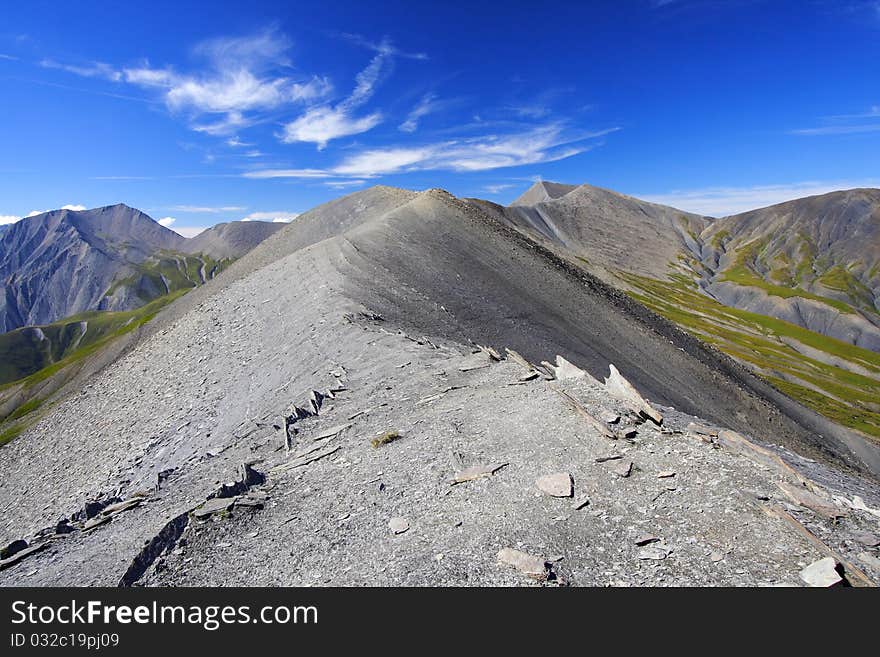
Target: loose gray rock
527 564
580 502
398 525
476 472
556 485
653 553
215 505
13 548
622 469
867 539
870 560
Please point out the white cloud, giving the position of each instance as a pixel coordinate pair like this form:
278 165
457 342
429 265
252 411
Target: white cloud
207 209
541 144
167 221
497 189
723 201
424 107
383 161
242 77
344 184
838 130
73 208
323 124
279 216
546 143
188 231
91 70
11 219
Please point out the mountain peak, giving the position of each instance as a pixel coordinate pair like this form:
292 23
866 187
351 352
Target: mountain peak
541 191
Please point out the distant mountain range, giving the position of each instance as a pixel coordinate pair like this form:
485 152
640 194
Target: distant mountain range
65 262
792 290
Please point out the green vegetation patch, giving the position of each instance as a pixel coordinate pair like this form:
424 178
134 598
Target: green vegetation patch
844 396
742 272
385 438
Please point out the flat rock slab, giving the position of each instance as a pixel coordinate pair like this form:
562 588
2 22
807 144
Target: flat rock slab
653 553
566 370
609 417
802 497
580 502
216 505
556 485
622 469
398 525
22 554
527 564
867 539
822 573
870 560
618 386
332 432
476 472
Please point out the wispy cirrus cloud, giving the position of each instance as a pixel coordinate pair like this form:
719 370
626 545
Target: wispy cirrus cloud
320 125
243 77
344 184
425 106
89 70
845 124
723 201
546 143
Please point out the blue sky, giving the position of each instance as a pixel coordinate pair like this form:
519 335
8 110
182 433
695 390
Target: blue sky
198 114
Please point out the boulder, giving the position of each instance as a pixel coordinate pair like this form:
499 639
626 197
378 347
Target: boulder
823 573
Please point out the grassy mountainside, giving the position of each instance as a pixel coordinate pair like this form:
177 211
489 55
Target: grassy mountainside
35 361
167 272
789 291
27 364
834 378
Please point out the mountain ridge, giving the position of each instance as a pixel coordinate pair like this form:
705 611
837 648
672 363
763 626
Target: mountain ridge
115 257
334 378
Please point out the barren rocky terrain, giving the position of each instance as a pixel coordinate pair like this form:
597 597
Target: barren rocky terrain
361 400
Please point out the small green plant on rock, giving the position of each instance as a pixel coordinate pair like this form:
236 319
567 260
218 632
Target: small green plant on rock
385 438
